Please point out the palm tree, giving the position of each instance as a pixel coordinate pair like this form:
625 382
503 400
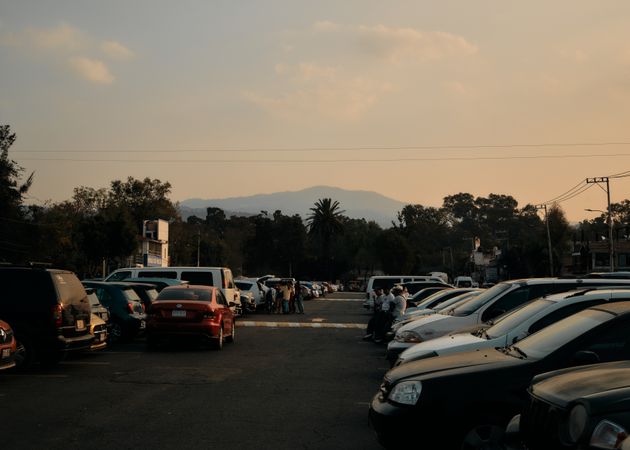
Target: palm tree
325 221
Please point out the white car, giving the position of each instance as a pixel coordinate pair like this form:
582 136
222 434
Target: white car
513 327
488 305
256 288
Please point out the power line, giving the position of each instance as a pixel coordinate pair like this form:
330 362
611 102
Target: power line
337 149
354 160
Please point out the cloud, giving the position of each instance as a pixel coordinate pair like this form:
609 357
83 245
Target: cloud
399 45
116 50
92 70
69 47
323 92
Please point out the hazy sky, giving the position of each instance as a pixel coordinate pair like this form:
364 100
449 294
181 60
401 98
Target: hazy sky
88 85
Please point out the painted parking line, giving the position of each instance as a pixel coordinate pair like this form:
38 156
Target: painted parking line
337 300
85 363
255 323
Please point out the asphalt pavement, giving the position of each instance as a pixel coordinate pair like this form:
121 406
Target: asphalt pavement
288 382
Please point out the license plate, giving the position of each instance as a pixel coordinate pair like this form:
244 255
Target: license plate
143 324
80 325
6 352
102 337
178 313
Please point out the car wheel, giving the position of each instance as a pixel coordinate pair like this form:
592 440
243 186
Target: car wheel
116 333
487 436
232 337
25 353
218 341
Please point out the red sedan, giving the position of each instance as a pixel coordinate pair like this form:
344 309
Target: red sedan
191 311
7 346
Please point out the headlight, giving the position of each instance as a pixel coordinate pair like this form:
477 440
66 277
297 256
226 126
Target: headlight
406 392
608 435
578 418
408 336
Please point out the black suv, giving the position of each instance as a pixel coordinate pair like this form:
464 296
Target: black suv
48 310
584 408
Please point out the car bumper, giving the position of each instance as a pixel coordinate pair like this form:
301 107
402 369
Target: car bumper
204 328
6 360
76 343
389 421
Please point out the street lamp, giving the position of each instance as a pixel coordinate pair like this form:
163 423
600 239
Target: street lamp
610 235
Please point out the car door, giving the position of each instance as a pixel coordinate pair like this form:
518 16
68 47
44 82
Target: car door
226 312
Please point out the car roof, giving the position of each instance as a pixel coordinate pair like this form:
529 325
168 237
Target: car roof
616 308
190 286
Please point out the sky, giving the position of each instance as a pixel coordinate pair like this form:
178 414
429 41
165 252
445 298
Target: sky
413 99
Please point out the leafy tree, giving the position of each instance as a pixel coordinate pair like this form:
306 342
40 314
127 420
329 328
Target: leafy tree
14 241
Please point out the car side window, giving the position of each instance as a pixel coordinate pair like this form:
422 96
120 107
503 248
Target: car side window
103 296
612 344
508 302
560 314
119 276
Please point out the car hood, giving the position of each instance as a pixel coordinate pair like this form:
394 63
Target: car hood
436 325
445 344
595 382
466 361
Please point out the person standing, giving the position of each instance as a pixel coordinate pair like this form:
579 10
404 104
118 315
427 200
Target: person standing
286 297
384 321
378 302
299 304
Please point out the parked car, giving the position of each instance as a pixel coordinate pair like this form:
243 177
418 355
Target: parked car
126 311
575 409
48 310
96 307
527 320
490 304
415 286
419 296
98 329
389 281
256 288
195 311
159 283
465 400
465 282
220 277
146 291
7 346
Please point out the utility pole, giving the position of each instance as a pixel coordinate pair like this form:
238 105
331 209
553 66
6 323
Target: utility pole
548 238
198 244
611 248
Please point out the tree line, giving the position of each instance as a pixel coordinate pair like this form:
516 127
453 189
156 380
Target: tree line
105 224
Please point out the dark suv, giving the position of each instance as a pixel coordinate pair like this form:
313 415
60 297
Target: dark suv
583 408
48 310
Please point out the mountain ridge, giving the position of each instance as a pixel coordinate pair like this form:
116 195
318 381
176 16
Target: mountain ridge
358 204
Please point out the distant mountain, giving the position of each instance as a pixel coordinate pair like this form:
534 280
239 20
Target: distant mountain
357 204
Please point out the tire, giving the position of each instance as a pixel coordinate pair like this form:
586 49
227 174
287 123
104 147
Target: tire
25 353
115 333
232 338
486 436
217 344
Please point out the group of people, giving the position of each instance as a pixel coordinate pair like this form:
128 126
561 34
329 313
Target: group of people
389 305
285 298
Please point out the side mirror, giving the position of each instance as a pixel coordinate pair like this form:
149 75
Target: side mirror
584 357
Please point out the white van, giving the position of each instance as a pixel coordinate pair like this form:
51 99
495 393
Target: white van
220 277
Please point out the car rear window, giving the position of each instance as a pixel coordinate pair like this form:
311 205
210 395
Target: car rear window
244 285
20 286
202 278
130 294
185 294
152 293
384 283
70 289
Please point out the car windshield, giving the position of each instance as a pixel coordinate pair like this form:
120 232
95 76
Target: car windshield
185 294
512 320
483 298
455 301
542 343
130 294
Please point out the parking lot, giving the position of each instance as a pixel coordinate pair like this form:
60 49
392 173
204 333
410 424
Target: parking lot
289 381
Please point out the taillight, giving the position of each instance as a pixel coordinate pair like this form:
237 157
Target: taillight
130 306
57 312
209 314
